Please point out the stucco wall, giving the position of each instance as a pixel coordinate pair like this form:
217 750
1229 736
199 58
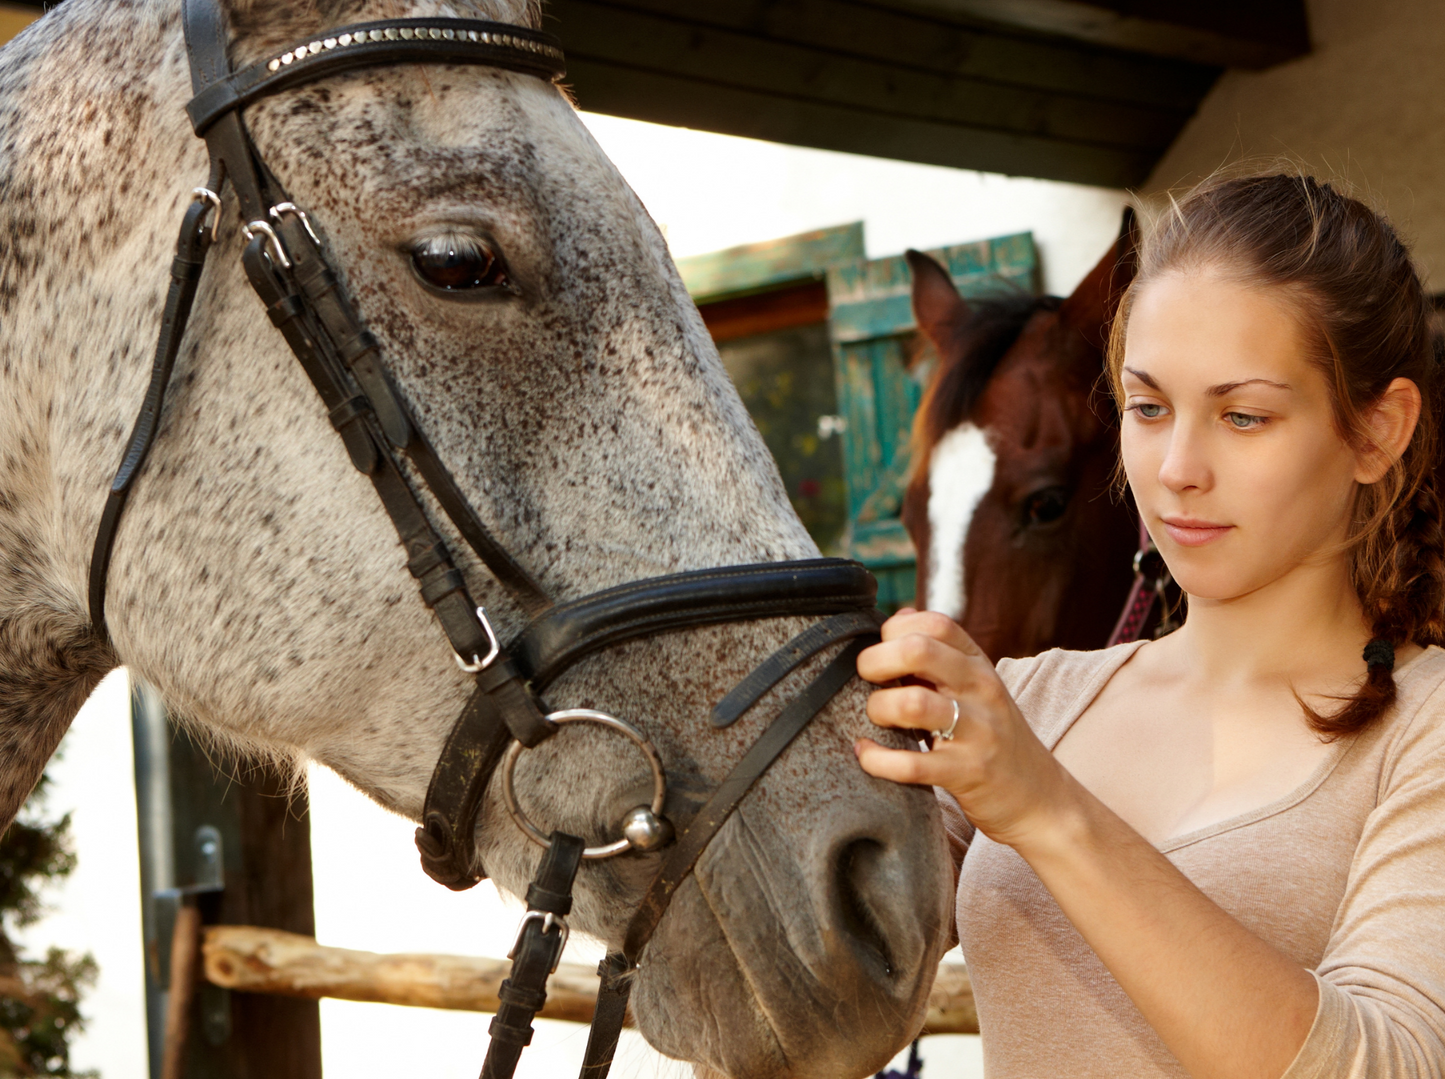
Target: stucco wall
1368 105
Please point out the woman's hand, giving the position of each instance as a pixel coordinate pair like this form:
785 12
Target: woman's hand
1003 778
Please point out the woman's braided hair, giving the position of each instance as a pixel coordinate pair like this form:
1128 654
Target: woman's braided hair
1361 302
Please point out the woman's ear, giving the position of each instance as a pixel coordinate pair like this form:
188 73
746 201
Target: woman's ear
1391 422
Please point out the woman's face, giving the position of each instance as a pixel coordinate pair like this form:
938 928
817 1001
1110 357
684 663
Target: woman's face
1228 436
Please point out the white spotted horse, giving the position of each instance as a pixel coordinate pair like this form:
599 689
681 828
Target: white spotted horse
429 471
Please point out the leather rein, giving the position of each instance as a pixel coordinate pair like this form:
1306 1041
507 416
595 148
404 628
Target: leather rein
288 266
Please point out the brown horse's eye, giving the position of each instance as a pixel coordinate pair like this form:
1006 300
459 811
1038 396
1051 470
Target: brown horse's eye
1045 506
458 264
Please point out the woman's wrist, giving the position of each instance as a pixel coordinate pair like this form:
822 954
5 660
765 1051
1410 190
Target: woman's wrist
1061 825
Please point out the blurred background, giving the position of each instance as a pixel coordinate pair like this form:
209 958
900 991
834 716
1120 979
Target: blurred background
790 150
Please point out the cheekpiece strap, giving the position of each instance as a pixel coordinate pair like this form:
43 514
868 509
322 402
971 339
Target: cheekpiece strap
373 44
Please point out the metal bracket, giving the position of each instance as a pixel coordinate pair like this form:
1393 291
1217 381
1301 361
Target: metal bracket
166 904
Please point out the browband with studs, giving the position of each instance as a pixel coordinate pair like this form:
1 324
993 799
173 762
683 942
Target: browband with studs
370 44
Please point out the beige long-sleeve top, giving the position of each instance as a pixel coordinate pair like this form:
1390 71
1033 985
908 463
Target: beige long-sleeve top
1346 875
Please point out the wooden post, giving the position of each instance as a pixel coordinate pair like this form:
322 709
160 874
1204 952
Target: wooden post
248 831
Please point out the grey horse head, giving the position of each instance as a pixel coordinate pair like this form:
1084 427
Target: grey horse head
583 410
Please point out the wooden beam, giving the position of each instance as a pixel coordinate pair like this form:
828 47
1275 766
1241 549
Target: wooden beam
766 312
1230 33
684 102
695 69
908 39
252 960
14 18
672 46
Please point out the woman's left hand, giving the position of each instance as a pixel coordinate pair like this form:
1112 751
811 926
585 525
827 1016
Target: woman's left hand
1004 779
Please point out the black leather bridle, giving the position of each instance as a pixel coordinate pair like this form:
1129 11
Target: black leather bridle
287 264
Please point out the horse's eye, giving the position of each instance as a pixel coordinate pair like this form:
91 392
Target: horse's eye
458 264
1045 506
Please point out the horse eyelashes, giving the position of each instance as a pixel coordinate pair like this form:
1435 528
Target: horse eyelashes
457 263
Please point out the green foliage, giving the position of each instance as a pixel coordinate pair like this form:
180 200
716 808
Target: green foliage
39 998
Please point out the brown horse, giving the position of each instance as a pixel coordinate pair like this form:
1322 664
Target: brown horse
1020 535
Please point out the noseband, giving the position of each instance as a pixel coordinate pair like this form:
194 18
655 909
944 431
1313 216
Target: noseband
287 264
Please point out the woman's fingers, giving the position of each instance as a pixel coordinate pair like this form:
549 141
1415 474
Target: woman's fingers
911 708
922 656
899 765
930 624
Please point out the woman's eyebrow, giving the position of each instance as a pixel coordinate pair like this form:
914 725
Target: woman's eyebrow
1143 377
1226 388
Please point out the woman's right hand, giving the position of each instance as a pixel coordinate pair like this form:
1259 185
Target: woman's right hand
1007 783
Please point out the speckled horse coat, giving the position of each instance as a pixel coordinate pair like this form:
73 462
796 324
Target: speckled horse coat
583 410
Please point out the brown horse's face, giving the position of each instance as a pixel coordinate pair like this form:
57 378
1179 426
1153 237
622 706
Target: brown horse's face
1020 535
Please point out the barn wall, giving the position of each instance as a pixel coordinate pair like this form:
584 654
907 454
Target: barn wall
1367 104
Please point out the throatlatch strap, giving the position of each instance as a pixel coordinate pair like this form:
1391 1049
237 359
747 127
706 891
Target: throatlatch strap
538 950
191 249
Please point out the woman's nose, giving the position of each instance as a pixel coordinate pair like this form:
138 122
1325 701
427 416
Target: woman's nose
1185 463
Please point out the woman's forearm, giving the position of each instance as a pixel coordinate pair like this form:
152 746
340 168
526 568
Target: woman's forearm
1227 1004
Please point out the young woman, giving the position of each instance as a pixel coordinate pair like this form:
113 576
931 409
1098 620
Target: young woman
1222 853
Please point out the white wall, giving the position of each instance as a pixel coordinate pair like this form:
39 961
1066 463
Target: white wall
1368 104
710 192
715 191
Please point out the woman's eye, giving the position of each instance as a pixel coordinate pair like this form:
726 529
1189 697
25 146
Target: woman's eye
1243 421
1148 411
458 264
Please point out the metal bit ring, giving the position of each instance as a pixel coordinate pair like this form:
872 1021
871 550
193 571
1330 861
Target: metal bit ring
583 715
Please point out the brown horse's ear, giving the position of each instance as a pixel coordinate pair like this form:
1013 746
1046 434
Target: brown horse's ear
937 307
1091 308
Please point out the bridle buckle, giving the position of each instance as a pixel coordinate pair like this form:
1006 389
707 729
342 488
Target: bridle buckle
278 250
205 194
479 664
549 922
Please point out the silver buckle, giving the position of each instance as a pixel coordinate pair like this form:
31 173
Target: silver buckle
281 209
265 229
549 921
205 194
478 665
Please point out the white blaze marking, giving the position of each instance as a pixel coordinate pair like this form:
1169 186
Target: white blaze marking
960 473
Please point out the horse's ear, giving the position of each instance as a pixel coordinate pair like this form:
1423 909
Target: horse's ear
937 307
1091 308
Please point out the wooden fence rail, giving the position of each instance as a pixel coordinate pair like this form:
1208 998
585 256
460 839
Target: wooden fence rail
256 960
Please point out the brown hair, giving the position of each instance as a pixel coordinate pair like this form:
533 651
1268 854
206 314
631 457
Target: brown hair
1361 302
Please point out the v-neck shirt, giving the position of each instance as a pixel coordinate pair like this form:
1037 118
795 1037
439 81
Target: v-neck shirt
1345 874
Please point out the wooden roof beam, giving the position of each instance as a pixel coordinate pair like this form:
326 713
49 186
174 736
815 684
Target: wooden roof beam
1229 33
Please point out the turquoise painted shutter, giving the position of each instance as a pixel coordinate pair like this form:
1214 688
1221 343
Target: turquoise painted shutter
870 325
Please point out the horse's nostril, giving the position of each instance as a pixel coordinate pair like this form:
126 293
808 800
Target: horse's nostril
858 873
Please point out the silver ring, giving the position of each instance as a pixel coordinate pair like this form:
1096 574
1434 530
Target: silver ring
583 715
947 735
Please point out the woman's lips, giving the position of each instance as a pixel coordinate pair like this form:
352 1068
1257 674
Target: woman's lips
1189 532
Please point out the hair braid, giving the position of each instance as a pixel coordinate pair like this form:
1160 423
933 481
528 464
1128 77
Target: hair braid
1403 597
